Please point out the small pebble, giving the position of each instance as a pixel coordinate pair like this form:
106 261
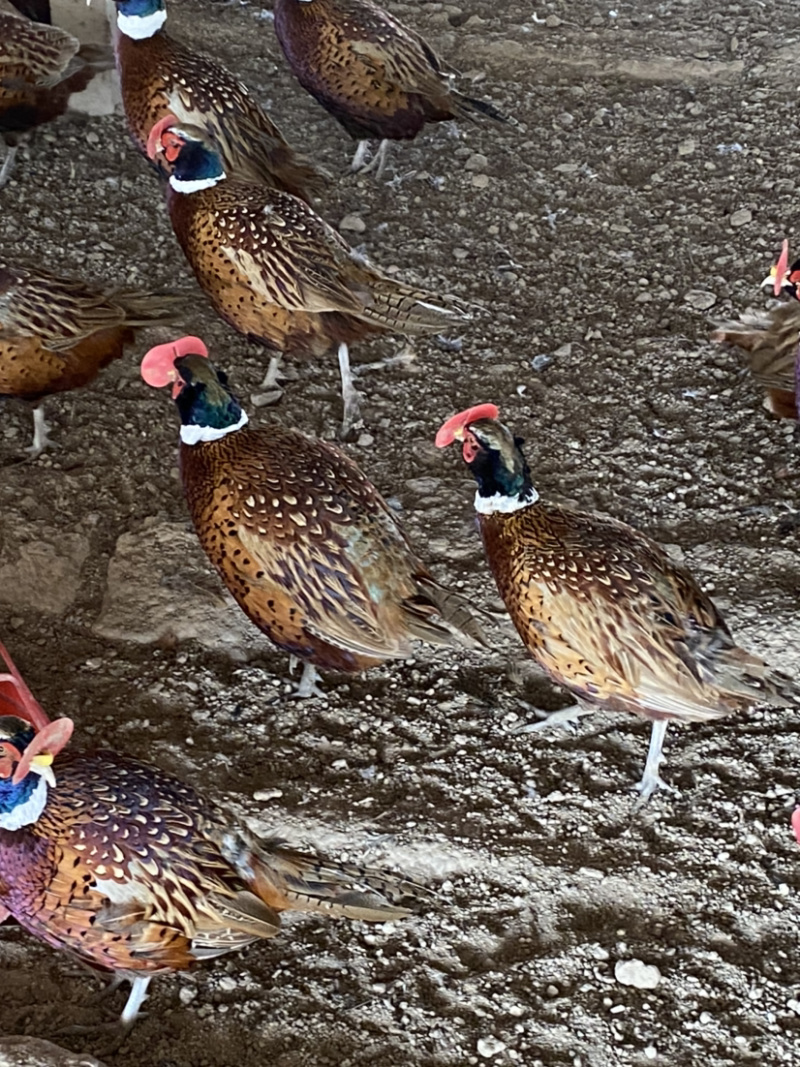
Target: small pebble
490 1046
741 217
353 223
637 974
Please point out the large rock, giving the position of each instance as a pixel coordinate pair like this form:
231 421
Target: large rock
42 573
34 1052
161 587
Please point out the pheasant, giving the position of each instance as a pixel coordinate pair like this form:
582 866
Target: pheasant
601 607
40 69
307 546
57 333
772 339
376 76
275 270
160 76
136 874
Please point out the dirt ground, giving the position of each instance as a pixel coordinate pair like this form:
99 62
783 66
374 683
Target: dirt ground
646 187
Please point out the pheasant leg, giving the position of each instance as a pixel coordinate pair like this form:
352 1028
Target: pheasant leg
377 163
351 419
651 779
307 686
273 373
360 154
40 439
8 165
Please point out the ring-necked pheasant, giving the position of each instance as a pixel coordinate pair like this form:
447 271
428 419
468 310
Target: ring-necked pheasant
160 76
307 546
135 873
772 339
376 76
40 69
275 270
602 607
57 333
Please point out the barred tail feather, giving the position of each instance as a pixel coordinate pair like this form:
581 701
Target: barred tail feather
146 308
458 624
400 307
467 107
290 881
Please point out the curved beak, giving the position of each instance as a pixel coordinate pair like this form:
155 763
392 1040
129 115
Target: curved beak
43 766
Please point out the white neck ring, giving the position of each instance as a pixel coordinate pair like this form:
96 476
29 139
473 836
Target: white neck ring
194 435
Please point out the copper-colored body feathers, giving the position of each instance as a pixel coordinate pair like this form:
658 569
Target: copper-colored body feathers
602 607
278 273
772 341
312 552
134 871
610 616
58 333
376 76
160 76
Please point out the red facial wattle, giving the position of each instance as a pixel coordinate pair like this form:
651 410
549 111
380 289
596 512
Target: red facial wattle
158 366
157 140
471 448
50 740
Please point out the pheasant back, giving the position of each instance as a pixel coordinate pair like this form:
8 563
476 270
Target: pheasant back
611 618
133 871
311 551
160 76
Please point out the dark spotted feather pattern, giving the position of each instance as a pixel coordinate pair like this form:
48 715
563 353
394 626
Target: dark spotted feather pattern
378 77
160 76
133 871
612 618
772 341
57 333
277 272
312 552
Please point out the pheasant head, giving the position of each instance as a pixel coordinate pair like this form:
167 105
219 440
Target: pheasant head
494 456
207 407
185 154
26 771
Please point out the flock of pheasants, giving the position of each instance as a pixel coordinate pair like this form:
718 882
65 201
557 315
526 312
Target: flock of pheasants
114 861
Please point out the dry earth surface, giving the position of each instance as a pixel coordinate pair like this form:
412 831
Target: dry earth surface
645 188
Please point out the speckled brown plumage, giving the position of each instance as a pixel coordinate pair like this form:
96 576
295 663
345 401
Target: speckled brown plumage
39 70
602 607
376 76
305 543
310 550
279 273
57 333
160 76
772 341
134 872
274 269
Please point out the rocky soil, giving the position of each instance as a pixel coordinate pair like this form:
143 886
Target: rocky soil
645 188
